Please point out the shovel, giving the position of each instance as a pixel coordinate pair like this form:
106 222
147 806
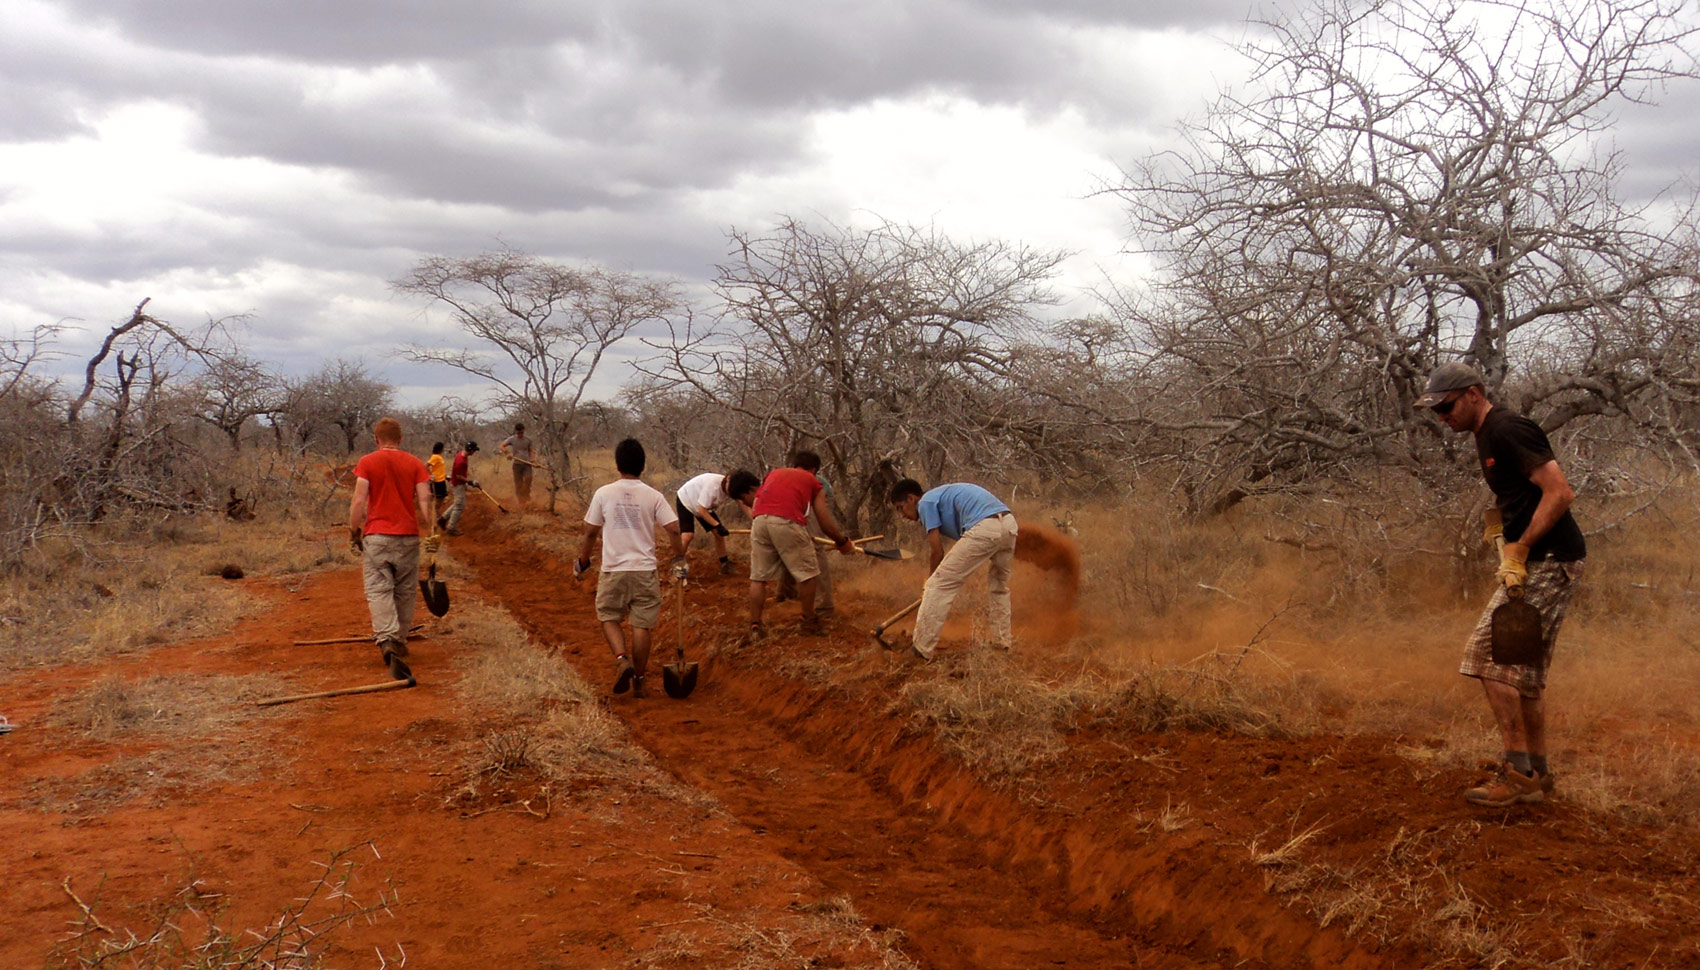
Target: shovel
499 506
435 591
679 678
1516 628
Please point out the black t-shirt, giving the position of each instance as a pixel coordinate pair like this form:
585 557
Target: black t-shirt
1511 446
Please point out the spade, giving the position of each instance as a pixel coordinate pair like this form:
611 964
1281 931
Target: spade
1516 627
435 591
680 678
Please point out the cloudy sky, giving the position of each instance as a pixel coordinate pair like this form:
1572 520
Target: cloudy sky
285 158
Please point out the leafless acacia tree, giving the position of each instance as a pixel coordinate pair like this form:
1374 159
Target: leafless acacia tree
879 348
541 330
1406 183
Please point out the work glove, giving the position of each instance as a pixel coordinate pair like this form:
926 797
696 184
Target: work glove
1493 525
721 530
846 547
1513 564
680 569
474 484
433 542
355 545
579 567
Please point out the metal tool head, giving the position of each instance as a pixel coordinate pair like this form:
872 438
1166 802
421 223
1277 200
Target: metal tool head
435 592
1516 630
679 678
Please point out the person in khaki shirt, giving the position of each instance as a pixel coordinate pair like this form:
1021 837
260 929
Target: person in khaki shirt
519 448
984 530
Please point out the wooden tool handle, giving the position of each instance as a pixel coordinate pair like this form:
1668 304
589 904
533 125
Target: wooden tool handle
893 618
341 691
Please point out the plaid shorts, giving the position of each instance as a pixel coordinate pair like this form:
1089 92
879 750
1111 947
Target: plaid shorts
1548 589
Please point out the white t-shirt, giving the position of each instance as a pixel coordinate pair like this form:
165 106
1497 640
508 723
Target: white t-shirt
628 512
702 492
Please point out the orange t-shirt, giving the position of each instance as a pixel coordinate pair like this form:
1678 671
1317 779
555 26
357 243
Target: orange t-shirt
394 477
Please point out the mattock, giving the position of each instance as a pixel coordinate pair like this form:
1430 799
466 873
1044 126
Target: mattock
893 618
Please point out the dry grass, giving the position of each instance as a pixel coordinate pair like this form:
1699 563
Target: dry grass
544 725
179 706
824 932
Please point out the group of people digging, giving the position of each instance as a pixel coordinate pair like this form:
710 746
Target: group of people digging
1541 557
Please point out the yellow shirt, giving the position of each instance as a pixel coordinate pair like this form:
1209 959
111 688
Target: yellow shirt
438 471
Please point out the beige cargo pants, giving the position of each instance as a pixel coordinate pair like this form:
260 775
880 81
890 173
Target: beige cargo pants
989 541
390 568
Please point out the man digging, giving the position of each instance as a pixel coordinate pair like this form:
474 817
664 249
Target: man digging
1543 554
392 497
810 462
625 514
460 477
780 540
984 530
698 503
518 447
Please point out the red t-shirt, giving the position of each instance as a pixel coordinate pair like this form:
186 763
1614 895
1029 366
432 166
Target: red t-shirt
394 477
461 473
787 493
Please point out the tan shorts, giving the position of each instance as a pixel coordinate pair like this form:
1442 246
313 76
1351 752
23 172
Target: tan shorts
1548 588
776 543
637 592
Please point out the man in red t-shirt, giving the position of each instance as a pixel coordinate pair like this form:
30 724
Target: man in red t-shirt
460 478
780 540
392 496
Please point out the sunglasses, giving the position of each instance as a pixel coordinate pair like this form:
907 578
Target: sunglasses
1445 407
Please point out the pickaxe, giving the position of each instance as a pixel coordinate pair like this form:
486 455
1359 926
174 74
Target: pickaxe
893 618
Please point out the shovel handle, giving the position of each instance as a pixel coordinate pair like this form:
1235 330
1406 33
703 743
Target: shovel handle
893 618
340 692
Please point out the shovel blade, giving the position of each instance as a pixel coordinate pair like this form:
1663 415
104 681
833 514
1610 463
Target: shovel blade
1516 633
893 554
435 592
679 679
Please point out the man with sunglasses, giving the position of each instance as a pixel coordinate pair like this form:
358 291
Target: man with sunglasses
1543 553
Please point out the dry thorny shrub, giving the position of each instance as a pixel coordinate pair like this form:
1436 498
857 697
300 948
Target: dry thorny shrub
546 732
193 929
800 937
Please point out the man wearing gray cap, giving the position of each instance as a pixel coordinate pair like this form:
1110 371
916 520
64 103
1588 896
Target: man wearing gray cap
1543 554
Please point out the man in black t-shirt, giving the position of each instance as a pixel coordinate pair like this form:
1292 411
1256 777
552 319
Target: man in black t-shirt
1543 553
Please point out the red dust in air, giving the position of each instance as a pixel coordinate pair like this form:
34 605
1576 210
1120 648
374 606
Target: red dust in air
1054 553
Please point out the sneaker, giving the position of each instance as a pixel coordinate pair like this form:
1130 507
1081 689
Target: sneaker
5 725
915 652
638 690
812 626
398 648
754 633
728 568
399 669
623 679
1508 787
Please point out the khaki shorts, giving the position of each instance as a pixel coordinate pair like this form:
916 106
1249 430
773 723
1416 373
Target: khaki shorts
637 592
776 543
1548 588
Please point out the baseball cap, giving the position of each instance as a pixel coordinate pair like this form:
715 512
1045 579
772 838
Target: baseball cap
1454 375
471 446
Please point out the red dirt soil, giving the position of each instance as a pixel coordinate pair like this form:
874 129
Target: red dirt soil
828 788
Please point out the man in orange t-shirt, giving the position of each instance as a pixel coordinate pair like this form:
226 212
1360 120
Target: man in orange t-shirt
780 540
392 496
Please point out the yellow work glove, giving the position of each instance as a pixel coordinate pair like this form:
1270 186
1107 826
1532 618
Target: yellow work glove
1493 526
1513 568
433 542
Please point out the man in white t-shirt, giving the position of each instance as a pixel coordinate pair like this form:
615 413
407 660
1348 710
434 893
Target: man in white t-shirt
624 514
699 500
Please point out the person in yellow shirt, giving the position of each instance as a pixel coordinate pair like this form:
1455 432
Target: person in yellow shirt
439 481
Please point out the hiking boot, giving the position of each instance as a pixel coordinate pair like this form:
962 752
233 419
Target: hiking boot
1508 787
623 679
399 669
916 653
812 626
398 648
638 690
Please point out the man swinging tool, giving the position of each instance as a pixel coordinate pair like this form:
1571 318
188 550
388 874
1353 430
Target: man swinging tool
1542 554
460 477
392 497
984 529
519 448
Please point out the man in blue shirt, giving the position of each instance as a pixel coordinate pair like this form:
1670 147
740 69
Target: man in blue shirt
984 531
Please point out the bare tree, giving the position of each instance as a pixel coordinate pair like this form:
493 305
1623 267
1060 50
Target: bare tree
1406 183
234 390
879 348
542 330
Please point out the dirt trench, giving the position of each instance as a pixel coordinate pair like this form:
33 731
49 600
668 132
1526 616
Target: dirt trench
971 875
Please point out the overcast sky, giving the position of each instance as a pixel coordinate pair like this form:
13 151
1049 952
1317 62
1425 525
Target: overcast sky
285 158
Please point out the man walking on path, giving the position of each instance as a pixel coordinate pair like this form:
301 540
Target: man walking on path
518 447
810 462
460 476
984 529
624 514
1543 553
699 500
391 499
780 540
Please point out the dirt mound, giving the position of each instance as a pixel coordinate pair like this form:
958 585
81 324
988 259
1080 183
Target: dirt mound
1053 552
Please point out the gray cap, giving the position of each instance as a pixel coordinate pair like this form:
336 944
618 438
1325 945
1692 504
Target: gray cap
1454 375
